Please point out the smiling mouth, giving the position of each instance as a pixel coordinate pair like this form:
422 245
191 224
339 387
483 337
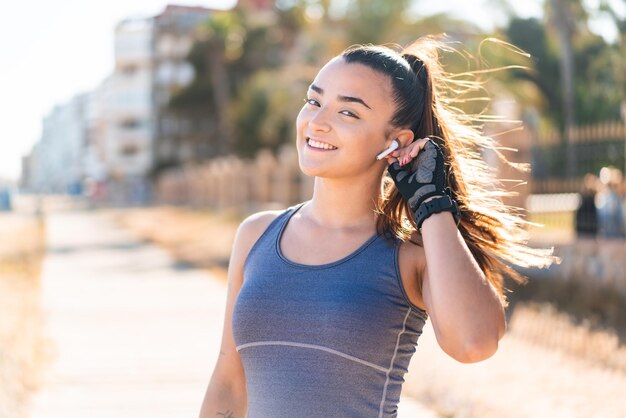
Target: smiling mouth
320 146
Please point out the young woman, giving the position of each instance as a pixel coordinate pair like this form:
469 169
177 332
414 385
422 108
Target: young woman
327 299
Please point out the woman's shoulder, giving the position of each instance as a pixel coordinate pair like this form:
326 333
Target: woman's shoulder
255 224
248 233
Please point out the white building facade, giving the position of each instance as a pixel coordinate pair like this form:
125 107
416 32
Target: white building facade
129 101
56 162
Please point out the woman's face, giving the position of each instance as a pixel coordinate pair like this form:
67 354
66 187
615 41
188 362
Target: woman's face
348 106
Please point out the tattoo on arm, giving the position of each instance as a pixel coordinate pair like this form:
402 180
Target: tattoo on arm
227 414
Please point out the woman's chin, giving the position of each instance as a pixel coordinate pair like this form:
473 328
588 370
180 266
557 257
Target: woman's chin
317 169
312 170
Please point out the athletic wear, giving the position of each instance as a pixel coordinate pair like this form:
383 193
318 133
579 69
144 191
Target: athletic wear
321 341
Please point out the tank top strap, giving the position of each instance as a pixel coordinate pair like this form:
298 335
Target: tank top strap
277 224
266 241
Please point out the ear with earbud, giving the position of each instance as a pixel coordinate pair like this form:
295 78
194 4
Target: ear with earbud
394 146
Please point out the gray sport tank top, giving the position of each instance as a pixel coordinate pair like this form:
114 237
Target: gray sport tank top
322 341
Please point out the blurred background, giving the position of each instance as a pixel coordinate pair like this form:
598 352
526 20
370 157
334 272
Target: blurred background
136 137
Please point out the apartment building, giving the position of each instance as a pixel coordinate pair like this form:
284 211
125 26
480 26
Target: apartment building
56 164
173 39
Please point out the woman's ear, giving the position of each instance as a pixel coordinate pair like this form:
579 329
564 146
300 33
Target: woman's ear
404 137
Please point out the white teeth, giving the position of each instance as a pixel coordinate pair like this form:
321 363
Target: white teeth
316 144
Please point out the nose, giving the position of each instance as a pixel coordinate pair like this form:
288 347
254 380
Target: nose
319 122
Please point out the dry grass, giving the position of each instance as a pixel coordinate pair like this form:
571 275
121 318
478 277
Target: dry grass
523 379
541 323
22 345
586 305
201 238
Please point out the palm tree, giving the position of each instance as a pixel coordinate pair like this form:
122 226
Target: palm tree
563 14
218 33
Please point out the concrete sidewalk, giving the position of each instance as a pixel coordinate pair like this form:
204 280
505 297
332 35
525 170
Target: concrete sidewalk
135 334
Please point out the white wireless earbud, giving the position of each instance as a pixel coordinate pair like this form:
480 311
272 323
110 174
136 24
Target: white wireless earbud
394 145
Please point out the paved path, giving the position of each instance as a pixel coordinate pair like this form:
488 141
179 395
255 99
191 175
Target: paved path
135 334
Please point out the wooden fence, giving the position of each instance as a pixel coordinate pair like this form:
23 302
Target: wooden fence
230 182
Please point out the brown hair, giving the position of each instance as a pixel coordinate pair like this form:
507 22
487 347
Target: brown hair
424 94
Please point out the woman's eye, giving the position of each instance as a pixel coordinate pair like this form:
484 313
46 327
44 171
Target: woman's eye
312 102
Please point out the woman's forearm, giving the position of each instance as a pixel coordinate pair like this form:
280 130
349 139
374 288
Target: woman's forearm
224 401
467 310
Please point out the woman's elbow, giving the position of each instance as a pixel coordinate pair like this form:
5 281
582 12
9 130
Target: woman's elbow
478 352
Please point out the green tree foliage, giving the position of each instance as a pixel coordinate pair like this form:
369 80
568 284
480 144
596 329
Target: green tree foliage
266 109
530 35
599 80
371 21
228 52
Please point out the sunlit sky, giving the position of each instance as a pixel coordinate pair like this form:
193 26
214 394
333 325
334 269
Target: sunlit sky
53 50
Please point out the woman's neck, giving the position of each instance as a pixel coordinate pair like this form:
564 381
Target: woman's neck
343 204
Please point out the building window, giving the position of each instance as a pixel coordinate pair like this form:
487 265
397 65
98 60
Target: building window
130 124
129 150
128 70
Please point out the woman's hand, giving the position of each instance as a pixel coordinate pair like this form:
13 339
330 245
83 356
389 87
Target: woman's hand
406 154
427 178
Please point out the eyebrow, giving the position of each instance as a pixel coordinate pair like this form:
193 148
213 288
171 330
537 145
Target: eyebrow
340 97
